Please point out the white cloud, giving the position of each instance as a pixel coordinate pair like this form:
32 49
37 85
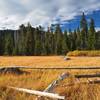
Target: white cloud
97 28
44 12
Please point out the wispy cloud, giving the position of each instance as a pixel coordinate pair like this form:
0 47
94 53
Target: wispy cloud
97 28
44 12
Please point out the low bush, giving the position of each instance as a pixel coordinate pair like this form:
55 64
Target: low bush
92 53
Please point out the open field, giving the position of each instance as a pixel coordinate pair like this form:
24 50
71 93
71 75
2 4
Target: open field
49 61
40 79
72 88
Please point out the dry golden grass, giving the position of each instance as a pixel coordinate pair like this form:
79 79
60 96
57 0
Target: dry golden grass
92 53
49 61
40 79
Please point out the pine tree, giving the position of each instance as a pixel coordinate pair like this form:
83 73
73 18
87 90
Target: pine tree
70 36
58 40
74 40
65 42
51 42
38 44
15 51
22 40
2 43
84 32
47 43
8 44
78 40
29 46
36 41
97 40
52 39
91 37
42 39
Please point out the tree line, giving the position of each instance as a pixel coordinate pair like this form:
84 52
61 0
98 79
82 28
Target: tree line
36 41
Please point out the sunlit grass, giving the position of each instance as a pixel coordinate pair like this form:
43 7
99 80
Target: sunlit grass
88 53
49 61
40 79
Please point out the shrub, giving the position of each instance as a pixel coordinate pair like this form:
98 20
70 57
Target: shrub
91 53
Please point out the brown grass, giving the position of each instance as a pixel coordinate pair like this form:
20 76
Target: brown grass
40 79
92 53
49 61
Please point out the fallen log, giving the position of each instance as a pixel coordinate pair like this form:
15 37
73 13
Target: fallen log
87 76
54 68
12 71
48 91
39 93
94 82
56 82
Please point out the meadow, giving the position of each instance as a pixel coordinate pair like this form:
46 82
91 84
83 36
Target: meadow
48 61
72 88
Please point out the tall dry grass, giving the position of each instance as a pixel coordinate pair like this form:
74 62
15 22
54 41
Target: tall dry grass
39 80
88 53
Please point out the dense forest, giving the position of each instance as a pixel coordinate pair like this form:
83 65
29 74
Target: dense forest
36 41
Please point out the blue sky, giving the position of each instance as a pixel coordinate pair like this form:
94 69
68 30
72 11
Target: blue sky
75 22
47 12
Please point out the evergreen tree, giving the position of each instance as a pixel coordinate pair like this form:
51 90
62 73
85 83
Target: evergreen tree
70 36
74 40
15 51
98 40
51 42
22 40
42 39
36 41
8 44
52 39
2 43
65 42
38 44
91 37
78 40
29 44
58 40
84 32
47 43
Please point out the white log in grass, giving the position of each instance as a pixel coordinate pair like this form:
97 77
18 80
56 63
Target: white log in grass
46 92
56 82
39 93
